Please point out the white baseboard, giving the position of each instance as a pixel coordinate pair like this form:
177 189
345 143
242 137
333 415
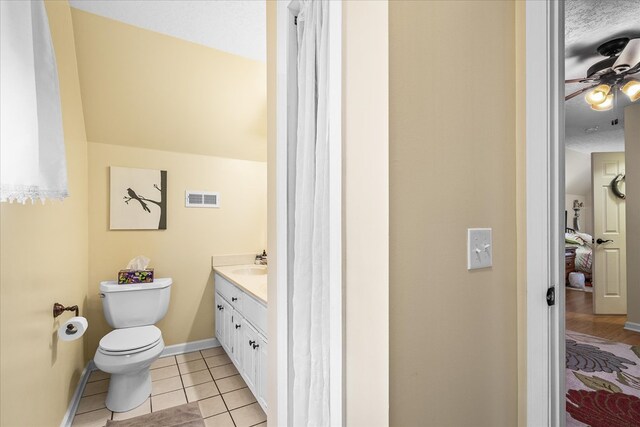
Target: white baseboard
75 400
630 326
188 347
170 350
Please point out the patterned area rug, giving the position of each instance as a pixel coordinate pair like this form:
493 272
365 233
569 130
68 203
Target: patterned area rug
603 382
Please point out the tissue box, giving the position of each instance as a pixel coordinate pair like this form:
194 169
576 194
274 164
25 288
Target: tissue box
135 276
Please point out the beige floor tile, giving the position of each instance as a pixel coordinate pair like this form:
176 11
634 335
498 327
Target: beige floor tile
193 366
220 420
98 375
264 424
196 378
168 400
163 362
238 398
143 409
91 403
215 351
188 357
211 406
223 371
96 387
201 391
166 385
214 361
225 385
166 372
248 415
92 419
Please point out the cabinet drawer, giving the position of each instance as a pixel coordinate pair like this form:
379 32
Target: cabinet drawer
232 294
255 313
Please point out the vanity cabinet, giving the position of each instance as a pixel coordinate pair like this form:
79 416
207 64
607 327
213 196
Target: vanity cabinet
241 323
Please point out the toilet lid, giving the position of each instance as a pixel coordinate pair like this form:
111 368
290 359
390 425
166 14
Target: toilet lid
129 339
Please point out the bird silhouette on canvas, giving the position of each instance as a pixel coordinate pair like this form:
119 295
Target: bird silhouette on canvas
132 195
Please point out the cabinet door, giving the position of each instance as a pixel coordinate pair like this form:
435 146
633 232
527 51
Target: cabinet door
227 313
218 318
237 333
249 345
262 373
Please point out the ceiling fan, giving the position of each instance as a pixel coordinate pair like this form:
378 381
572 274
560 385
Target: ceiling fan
616 71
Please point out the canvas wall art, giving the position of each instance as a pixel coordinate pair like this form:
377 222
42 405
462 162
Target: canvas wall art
138 199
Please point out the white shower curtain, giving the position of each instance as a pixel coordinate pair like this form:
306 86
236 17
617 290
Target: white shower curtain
310 281
32 157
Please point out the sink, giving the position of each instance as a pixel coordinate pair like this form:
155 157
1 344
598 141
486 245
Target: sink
250 271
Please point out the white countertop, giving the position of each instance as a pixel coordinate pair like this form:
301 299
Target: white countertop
255 285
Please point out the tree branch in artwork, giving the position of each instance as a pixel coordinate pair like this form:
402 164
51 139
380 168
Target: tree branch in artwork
132 195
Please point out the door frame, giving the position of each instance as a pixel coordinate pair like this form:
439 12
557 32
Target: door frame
545 206
286 53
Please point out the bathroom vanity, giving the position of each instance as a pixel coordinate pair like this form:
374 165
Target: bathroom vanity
241 322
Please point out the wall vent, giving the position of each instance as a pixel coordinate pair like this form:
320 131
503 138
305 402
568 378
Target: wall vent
202 199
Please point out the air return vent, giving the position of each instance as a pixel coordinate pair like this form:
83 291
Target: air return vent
202 199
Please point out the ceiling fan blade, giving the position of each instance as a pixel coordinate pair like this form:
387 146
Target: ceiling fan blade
629 58
581 80
578 92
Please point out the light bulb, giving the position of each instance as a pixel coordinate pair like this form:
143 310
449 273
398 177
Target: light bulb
598 95
607 104
632 90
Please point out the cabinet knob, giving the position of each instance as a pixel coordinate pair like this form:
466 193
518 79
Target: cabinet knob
256 346
237 326
251 342
234 299
219 307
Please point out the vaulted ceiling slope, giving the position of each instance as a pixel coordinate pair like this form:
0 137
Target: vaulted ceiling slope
145 89
588 24
234 26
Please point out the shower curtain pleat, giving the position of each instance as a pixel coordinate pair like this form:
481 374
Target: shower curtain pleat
310 281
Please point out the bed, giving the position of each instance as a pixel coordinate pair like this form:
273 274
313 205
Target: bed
578 253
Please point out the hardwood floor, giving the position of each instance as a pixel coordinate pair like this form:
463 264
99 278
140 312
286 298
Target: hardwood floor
580 318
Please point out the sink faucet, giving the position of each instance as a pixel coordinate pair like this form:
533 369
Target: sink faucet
261 259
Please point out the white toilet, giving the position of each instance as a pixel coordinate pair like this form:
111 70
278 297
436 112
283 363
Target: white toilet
128 351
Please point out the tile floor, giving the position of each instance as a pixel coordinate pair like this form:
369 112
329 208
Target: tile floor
208 377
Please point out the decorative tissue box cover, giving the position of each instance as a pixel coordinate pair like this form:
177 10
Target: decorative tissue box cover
135 276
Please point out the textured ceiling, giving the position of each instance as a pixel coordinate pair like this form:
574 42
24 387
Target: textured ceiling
234 26
589 23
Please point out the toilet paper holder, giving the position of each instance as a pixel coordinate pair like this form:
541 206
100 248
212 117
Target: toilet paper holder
58 309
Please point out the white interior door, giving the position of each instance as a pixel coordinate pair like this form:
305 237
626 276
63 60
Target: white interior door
609 228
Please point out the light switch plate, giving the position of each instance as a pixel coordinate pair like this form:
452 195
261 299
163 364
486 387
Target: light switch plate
479 248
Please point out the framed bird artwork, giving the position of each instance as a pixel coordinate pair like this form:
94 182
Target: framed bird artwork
138 199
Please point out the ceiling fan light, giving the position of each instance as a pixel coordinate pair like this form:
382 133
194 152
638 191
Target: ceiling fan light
632 90
598 95
607 104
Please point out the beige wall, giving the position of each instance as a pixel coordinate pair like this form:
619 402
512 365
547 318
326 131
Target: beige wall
45 260
145 89
366 211
578 187
183 251
632 161
453 333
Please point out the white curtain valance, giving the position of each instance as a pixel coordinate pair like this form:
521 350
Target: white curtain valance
32 155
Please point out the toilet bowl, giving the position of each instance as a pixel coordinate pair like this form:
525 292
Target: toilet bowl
127 355
128 351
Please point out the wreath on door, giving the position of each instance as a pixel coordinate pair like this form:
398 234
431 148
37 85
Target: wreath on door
614 186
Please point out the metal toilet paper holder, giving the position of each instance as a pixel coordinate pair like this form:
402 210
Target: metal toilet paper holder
58 309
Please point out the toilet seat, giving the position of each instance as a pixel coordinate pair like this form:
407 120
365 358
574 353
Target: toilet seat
121 342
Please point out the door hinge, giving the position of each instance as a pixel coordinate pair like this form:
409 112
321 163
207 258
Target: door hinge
295 20
551 296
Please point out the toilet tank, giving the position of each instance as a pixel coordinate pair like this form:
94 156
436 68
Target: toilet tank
137 304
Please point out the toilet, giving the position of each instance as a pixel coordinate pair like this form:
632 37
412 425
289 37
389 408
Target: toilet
128 351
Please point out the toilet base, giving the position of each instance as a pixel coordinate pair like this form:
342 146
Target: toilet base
128 391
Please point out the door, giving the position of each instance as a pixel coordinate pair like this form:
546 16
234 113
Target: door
219 318
609 228
227 313
237 326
